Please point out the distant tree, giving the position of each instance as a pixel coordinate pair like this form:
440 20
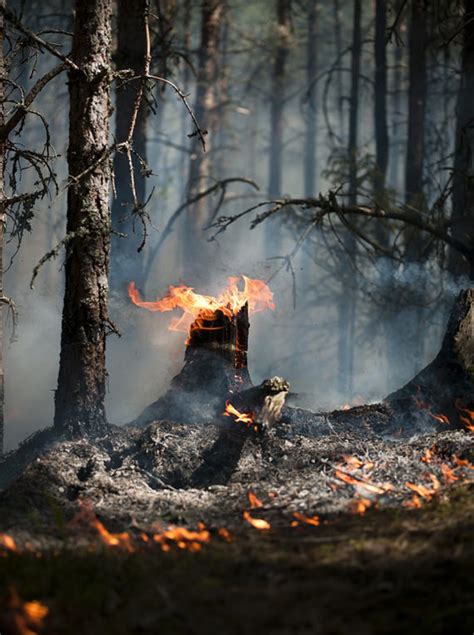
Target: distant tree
126 262
205 110
463 169
278 96
311 98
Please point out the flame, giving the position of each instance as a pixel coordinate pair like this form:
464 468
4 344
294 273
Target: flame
363 484
258 523
240 417
361 505
28 617
183 538
112 540
200 308
448 474
427 456
440 418
254 502
308 520
414 502
463 462
8 542
422 490
467 417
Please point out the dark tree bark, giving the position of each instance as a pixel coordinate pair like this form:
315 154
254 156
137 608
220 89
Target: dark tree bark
380 109
3 78
395 146
79 399
278 97
127 263
205 110
347 304
463 176
311 115
416 106
186 43
338 42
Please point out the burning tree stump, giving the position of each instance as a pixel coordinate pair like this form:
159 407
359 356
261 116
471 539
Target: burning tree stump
215 367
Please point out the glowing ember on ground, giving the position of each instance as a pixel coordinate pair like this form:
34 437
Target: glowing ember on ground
258 523
448 474
254 501
195 306
361 483
183 538
239 417
27 616
308 520
467 416
7 542
360 506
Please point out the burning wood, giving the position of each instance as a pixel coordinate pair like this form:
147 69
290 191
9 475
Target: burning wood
215 361
258 523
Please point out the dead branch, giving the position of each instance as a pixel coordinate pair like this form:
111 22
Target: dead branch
19 26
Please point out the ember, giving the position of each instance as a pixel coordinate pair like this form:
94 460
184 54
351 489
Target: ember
28 617
199 309
258 523
7 542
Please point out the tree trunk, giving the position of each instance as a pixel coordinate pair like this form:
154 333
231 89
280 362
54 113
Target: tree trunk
338 41
414 194
278 97
79 399
3 78
463 176
311 115
205 110
347 304
127 263
416 107
380 109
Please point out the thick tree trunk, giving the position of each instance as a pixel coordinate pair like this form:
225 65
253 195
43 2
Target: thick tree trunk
127 264
3 78
205 110
339 88
82 378
278 97
463 174
347 304
311 115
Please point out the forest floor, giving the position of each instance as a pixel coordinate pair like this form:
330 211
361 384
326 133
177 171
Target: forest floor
388 571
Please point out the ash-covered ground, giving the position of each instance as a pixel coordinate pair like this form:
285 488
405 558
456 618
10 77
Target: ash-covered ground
183 474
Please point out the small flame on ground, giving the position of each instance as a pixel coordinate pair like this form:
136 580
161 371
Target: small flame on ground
195 306
28 617
427 456
302 518
240 417
7 542
183 538
363 484
361 505
467 416
448 474
258 523
254 501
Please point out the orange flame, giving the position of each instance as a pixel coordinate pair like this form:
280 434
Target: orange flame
240 417
258 523
254 501
183 538
467 417
361 505
199 307
363 484
441 418
308 520
7 542
448 474
427 456
28 617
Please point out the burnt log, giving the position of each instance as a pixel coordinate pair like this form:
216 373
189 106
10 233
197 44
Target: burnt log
215 367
